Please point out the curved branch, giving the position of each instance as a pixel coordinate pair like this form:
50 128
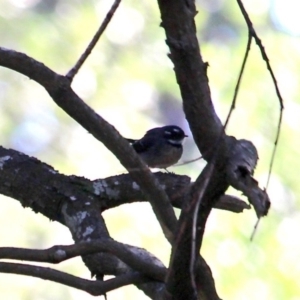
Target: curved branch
138 259
252 33
94 288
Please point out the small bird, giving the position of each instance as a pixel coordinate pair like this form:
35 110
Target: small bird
160 147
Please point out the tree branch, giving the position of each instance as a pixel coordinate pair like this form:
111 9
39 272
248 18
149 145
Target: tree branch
138 259
39 186
240 169
94 41
95 288
253 34
213 143
190 70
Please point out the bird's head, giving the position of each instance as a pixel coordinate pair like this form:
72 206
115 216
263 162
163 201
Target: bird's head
173 134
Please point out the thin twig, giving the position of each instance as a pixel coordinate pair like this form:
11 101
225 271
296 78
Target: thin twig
188 161
275 146
266 59
254 230
195 220
237 87
70 75
211 168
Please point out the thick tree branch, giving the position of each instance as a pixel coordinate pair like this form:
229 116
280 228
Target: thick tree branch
39 186
190 70
215 146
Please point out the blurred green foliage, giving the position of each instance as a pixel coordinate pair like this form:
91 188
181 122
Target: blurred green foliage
129 80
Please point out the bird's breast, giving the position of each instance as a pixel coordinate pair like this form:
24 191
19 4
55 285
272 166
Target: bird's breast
162 157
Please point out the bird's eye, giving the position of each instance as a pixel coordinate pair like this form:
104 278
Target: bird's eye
176 130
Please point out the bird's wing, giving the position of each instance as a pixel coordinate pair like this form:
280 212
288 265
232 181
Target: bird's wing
141 146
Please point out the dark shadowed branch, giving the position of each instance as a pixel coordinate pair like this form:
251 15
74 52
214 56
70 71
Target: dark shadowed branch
240 169
46 189
214 145
95 288
138 259
190 71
